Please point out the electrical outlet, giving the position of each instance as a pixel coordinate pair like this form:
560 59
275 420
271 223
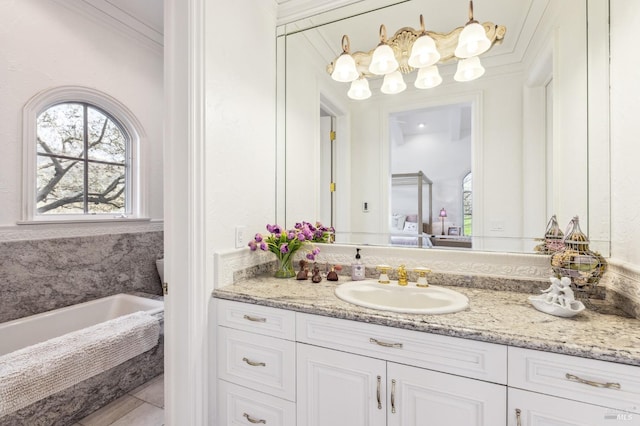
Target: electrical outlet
241 237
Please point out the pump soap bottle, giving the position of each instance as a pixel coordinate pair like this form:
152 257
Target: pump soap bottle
357 268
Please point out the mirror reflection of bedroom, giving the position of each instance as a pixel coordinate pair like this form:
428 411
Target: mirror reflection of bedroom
431 180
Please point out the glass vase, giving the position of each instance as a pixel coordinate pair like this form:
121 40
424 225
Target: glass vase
285 267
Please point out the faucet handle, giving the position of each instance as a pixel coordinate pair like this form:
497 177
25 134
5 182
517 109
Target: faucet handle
422 276
384 273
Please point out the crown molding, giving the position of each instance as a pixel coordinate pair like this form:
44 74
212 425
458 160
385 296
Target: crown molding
116 19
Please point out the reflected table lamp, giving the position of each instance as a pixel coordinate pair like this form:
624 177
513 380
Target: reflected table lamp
443 214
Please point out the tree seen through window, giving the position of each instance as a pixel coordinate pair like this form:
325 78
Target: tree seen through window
82 163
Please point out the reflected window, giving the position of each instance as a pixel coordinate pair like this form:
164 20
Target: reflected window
467 205
82 161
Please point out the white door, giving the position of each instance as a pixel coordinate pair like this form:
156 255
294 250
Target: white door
534 409
419 397
336 388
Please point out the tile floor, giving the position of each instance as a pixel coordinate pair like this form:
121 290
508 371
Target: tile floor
143 406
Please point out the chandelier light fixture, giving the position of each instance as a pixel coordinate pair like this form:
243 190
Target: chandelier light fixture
409 50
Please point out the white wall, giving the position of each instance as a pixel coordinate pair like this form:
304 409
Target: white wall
625 128
44 45
240 120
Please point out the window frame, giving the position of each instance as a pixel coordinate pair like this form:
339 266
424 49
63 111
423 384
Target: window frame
137 168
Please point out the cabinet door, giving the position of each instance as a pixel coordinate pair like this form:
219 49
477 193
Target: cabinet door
336 388
534 409
419 397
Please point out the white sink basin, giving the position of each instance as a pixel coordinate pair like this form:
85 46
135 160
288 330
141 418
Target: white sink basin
405 299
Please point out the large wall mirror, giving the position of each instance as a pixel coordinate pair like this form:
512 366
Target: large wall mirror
476 165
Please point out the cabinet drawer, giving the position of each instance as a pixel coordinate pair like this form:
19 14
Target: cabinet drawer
587 380
242 406
478 360
258 319
262 363
534 409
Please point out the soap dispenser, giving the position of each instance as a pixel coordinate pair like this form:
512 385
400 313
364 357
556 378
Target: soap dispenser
357 268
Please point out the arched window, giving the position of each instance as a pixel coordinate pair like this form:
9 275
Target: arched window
467 204
81 154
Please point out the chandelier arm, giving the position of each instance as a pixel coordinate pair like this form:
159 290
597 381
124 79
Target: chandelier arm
346 45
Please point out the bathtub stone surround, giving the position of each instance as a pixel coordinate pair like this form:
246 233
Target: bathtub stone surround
524 273
74 403
38 275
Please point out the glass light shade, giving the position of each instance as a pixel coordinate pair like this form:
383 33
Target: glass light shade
345 69
473 41
469 69
423 52
428 77
383 60
359 89
393 83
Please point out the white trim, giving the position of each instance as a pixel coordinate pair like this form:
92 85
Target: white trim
46 231
139 170
186 304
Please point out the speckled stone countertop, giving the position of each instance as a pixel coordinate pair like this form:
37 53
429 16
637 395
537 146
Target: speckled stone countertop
503 317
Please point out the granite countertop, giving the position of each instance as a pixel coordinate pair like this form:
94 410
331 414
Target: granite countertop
503 317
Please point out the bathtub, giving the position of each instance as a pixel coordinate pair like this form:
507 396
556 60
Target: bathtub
27 331
74 403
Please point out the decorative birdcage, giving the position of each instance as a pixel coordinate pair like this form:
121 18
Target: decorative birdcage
553 238
575 261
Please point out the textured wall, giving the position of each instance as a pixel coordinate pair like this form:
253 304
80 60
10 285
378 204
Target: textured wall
45 45
40 275
625 127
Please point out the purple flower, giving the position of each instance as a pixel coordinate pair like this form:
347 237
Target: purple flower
318 233
291 235
307 234
311 256
263 246
270 228
316 251
258 238
301 237
277 229
252 245
298 225
284 248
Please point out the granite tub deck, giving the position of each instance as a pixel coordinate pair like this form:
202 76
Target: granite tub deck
503 317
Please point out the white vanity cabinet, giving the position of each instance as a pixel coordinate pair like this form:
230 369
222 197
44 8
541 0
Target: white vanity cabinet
256 365
285 368
547 389
357 382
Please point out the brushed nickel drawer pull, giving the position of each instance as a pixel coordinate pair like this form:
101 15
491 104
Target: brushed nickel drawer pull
518 417
254 319
253 363
378 393
385 344
393 396
592 383
252 420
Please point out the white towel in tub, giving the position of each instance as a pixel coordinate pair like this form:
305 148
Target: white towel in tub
35 372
